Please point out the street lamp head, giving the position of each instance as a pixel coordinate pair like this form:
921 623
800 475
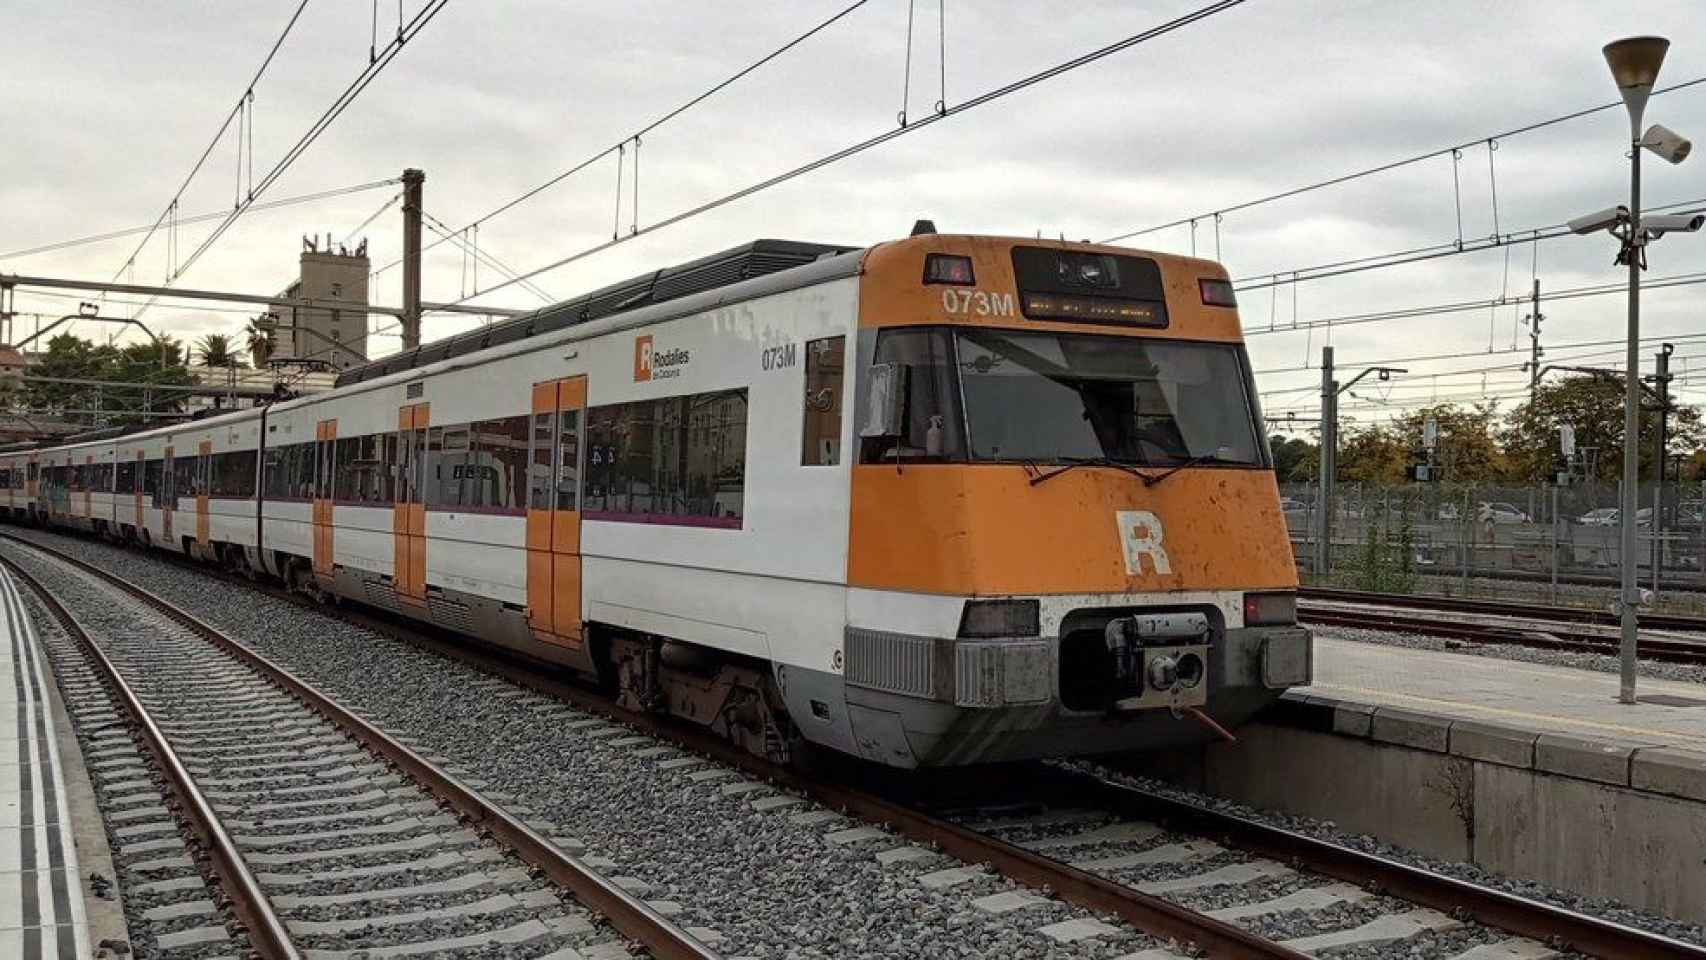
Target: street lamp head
1667 143
1635 63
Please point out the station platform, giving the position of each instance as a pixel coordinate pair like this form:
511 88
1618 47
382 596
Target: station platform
1560 719
1532 771
42 908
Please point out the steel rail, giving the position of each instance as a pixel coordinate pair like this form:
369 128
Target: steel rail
1549 923
267 933
1148 913
1505 608
1546 922
1664 649
629 914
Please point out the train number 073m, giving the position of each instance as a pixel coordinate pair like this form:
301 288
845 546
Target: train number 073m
977 303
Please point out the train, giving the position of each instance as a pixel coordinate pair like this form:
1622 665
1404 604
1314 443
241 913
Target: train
938 501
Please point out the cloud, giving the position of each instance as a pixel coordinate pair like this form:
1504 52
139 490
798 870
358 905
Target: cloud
111 102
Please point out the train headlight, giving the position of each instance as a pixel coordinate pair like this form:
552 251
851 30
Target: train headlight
1270 609
948 268
984 619
1217 293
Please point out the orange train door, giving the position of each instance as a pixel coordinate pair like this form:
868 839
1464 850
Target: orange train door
553 512
203 481
408 516
168 502
325 448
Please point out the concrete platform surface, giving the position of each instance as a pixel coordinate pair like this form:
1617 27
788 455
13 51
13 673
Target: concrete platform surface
1541 698
42 912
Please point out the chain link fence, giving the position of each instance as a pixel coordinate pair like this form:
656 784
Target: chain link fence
1562 544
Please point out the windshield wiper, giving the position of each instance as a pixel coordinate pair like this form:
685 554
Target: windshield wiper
1073 463
1151 479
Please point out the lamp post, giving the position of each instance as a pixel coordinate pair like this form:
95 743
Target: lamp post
1635 63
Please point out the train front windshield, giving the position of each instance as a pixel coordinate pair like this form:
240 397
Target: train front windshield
1054 397
1020 396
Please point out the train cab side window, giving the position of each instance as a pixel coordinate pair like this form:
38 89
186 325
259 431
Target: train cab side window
931 423
825 363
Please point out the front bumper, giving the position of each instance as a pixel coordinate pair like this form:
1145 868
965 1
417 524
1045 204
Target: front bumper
925 701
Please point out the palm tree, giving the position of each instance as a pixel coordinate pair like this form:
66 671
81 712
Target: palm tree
259 341
214 350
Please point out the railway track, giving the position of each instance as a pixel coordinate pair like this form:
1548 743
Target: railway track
1155 862
328 836
1503 608
1541 635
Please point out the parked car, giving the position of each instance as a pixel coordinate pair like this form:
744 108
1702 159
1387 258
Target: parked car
1500 512
1486 512
1602 517
1608 517
1292 505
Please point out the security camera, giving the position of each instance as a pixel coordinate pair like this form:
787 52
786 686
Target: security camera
1603 220
1658 226
1667 143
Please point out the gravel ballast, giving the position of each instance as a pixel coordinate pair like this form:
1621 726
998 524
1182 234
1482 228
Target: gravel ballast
355 859
769 883
673 828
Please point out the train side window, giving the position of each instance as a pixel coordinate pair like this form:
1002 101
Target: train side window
541 464
568 459
500 455
825 363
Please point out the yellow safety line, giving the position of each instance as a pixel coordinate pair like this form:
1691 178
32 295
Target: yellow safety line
1503 712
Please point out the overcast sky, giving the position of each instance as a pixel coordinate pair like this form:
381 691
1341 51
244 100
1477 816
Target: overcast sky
109 103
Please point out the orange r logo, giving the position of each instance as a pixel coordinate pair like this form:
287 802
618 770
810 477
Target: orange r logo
1141 535
642 358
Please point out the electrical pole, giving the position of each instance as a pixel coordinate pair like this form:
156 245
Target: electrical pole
1661 440
1534 318
412 181
1329 447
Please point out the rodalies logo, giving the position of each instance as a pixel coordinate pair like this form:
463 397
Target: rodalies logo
653 364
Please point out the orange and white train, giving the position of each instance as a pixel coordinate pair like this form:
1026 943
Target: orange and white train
942 500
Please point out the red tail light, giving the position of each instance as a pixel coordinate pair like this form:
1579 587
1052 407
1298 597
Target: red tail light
1269 609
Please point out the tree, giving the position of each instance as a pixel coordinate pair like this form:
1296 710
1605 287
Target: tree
214 350
69 357
1295 459
1468 439
1371 454
259 342
1594 406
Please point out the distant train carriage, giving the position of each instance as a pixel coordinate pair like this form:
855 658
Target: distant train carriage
943 500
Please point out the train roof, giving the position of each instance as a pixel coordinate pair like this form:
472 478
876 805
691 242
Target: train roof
755 259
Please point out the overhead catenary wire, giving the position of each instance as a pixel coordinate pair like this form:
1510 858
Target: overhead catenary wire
1397 164
1466 306
375 215
233 113
861 146
481 256
405 31
667 116
1434 251
181 221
